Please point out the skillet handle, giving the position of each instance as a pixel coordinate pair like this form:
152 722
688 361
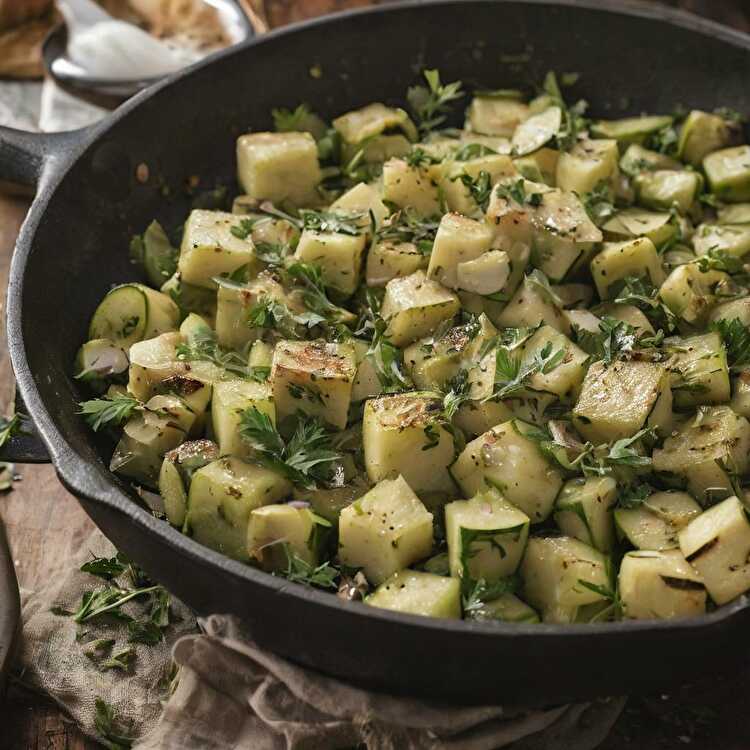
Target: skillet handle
25 158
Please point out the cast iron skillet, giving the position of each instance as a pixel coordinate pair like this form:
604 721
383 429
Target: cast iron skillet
72 248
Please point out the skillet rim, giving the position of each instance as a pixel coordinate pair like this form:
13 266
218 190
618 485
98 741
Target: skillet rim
77 475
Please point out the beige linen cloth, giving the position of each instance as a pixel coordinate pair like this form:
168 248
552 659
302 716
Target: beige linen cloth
230 694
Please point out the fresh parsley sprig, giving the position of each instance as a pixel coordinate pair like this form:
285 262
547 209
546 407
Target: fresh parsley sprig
106 600
573 120
473 151
340 222
431 104
479 187
204 346
643 295
478 592
736 337
615 339
108 411
598 203
457 392
406 225
323 576
310 277
513 372
515 192
306 459
387 360
718 259
108 728
271 313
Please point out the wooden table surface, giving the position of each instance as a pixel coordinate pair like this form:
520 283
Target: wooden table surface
42 519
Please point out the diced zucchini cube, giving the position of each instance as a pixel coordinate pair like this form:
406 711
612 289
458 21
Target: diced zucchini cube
388 260
222 496
210 249
532 305
153 361
313 377
589 163
405 434
338 255
506 608
371 120
194 299
487 274
414 306
457 195
279 167
418 593
362 198
667 188
703 133
476 417
564 380
537 131
717 545
583 510
416 187
736 308
432 362
637 159
728 173
177 470
619 399
486 536
146 437
554 222
541 166
629 223
619 260
495 115
276 532
629 314
503 458
458 239
690 292
366 383
384 531
630 129
737 213
733 239
655 523
231 398
329 502
176 410
699 372
660 585
234 303
705 451
561 574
